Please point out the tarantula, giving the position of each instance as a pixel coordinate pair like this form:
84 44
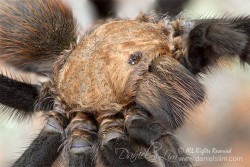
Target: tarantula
126 84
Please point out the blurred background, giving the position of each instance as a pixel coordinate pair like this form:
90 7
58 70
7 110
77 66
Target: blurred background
217 135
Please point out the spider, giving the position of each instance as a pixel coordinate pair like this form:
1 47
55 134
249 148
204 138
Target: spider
128 84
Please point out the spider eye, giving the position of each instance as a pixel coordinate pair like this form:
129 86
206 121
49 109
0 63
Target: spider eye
135 58
150 68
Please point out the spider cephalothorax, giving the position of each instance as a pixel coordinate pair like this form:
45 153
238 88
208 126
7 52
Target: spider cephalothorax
127 85
125 71
126 62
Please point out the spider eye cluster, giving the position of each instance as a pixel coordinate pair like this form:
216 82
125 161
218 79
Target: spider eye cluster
135 58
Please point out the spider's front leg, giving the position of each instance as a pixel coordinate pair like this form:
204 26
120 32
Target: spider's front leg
212 39
43 151
17 98
165 99
21 97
